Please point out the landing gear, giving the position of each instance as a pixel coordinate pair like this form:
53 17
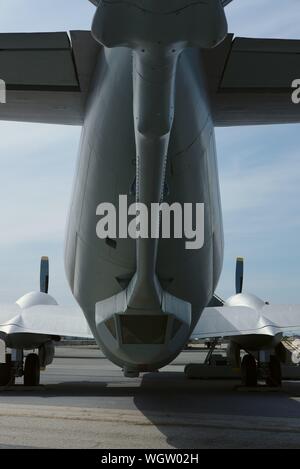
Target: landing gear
32 370
249 371
257 369
7 375
269 371
13 368
233 353
274 378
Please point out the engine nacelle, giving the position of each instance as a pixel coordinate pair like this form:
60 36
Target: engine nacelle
246 299
36 299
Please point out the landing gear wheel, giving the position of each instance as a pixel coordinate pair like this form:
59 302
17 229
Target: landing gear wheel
32 370
249 371
5 374
275 377
233 353
281 353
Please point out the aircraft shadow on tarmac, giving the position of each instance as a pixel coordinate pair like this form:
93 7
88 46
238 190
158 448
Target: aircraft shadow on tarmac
187 402
176 406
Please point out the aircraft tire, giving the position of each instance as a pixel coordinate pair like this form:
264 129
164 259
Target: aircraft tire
275 378
281 353
5 374
32 370
249 371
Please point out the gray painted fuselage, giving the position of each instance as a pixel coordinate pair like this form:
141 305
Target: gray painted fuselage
97 270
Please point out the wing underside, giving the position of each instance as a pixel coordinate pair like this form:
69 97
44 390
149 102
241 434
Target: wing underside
46 75
250 81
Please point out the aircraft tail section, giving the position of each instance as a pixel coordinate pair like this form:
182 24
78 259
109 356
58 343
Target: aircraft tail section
142 339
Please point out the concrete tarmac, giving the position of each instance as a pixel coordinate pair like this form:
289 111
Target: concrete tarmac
85 402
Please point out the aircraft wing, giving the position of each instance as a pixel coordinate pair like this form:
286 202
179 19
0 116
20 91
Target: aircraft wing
230 321
47 76
250 81
285 317
7 312
44 320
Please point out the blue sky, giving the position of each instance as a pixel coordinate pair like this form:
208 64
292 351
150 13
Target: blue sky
259 172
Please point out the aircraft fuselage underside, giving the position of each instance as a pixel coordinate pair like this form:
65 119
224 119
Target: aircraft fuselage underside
141 335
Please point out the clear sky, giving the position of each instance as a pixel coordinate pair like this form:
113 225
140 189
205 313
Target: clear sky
259 172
